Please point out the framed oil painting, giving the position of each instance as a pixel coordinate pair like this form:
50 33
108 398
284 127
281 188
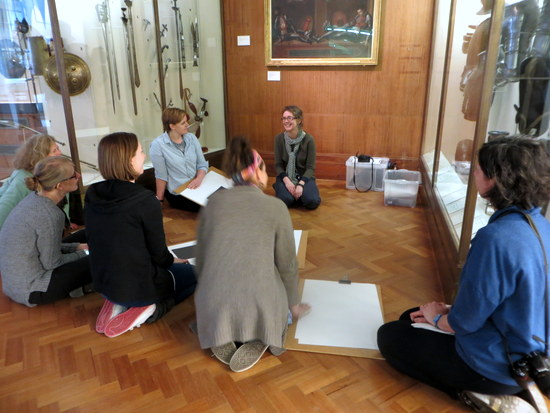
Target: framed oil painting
322 32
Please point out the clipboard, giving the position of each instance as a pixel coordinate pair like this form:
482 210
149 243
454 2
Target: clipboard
291 342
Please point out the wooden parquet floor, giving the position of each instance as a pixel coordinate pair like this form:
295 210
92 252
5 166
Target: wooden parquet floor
52 360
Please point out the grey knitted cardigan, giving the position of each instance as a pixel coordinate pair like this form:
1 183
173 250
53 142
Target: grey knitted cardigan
31 247
246 268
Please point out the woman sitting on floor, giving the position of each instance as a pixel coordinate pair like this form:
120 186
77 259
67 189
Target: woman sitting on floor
295 158
36 267
27 156
246 265
501 308
177 158
131 266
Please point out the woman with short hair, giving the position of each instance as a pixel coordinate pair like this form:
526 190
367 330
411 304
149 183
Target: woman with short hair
131 265
36 267
499 314
177 158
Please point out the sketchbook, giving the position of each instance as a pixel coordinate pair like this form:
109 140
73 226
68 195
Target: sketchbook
187 250
213 181
344 319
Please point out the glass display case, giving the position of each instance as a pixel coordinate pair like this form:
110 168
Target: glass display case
489 77
125 62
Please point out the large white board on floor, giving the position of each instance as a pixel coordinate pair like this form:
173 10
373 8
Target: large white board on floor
344 319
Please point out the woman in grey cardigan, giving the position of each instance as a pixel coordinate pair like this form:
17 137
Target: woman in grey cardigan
36 267
246 265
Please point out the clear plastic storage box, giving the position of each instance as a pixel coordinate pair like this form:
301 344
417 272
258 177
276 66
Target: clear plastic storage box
364 172
401 187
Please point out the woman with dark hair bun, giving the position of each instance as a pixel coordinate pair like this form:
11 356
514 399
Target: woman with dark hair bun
499 315
295 157
246 265
131 266
36 266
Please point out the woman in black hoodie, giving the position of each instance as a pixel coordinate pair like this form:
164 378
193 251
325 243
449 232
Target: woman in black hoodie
131 266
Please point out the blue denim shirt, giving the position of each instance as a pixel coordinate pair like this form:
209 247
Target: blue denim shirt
174 166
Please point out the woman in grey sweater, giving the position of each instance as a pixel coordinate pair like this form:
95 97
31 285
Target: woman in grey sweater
36 267
246 262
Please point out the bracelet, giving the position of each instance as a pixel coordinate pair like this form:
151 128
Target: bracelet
299 184
436 320
160 200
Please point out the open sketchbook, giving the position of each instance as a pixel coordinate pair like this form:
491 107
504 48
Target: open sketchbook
213 181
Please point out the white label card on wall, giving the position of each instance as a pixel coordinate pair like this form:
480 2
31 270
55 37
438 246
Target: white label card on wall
243 40
274 75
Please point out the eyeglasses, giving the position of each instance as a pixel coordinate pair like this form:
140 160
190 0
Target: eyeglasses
288 118
75 176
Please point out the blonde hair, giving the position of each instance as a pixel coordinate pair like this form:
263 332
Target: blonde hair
49 172
32 151
114 155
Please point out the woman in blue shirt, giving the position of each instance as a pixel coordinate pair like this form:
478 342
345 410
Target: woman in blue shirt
177 158
499 307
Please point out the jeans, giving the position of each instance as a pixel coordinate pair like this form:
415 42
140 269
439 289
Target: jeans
310 198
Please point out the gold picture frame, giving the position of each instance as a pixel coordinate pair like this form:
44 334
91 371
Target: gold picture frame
322 32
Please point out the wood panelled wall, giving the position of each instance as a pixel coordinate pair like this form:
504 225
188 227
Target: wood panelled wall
375 110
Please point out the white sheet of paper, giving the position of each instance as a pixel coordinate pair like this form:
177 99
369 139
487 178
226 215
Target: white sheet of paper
297 238
342 315
210 184
171 248
427 326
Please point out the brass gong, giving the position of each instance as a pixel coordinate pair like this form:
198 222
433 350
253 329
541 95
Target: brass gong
78 74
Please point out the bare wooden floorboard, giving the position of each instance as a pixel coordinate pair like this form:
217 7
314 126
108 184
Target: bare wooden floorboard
52 360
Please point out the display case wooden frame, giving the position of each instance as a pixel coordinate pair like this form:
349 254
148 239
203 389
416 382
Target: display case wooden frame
321 33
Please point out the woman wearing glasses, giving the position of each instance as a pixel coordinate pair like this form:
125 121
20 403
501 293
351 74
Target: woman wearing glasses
36 267
295 162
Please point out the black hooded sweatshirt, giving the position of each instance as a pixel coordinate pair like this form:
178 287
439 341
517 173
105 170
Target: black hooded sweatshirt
128 254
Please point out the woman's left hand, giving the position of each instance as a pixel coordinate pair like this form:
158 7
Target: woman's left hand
180 261
298 191
82 247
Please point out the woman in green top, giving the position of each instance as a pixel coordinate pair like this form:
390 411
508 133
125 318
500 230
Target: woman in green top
295 162
27 156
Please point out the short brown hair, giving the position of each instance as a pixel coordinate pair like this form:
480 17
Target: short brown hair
520 168
114 156
171 116
49 172
35 149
